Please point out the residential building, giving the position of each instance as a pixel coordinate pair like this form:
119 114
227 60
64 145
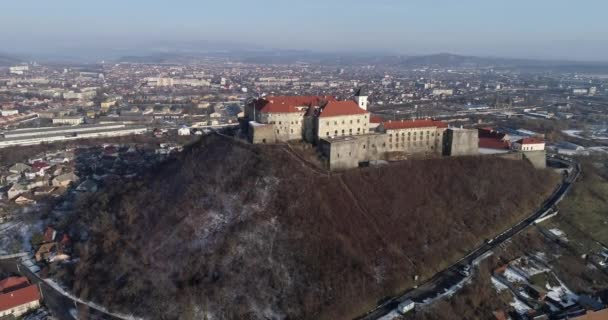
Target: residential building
529 144
17 297
69 120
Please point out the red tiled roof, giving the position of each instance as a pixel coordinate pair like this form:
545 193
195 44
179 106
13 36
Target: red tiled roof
597 315
376 119
408 124
12 283
287 104
490 133
19 297
493 143
530 141
38 165
341 108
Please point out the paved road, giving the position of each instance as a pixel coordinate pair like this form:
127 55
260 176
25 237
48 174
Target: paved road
454 274
58 304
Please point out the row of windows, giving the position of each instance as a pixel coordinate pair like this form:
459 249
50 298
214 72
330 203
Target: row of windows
292 122
343 122
350 132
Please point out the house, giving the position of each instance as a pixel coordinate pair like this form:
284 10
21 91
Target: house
39 182
13 178
19 168
39 167
13 283
21 200
18 297
492 141
65 179
529 144
46 252
16 190
183 131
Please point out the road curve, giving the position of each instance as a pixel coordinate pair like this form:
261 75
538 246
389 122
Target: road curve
452 275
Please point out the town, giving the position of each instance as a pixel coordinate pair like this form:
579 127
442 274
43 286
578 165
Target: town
72 131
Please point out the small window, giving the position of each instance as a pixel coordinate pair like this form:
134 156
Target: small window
328 133
358 121
279 122
351 121
363 146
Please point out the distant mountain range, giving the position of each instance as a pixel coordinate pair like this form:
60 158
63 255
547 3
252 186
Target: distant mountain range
447 60
441 60
185 52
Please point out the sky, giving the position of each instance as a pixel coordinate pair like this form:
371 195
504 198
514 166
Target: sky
547 29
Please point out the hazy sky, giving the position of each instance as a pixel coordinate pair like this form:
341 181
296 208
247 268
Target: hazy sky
507 28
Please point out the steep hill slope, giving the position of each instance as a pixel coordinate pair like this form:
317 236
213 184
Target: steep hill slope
234 231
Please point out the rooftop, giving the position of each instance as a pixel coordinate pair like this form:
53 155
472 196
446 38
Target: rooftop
19 297
341 108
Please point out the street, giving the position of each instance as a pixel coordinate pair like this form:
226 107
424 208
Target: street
447 278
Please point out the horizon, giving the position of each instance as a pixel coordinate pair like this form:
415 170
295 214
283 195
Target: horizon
542 30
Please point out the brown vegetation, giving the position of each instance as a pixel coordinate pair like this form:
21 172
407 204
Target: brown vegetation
240 231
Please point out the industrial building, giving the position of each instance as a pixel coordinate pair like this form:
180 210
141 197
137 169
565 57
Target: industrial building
32 136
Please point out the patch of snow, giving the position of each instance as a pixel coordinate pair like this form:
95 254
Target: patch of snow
513 276
559 233
573 133
390 316
520 307
562 294
499 286
61 290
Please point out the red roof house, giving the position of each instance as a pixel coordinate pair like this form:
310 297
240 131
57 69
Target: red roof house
13 283
18 302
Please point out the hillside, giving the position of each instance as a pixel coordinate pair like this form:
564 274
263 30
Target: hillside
235 231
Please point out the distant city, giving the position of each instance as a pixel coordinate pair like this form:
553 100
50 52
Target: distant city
81 142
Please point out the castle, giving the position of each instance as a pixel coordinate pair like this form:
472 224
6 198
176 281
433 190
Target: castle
345 132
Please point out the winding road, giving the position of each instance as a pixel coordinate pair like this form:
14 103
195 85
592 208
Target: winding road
442 281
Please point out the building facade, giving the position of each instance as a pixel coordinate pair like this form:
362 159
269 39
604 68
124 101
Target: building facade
345 133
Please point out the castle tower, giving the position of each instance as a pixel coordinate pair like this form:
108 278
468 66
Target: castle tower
361 98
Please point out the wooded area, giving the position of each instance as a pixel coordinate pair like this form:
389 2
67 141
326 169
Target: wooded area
242 231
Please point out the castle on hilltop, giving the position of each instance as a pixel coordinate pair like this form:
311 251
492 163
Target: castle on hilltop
347 134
